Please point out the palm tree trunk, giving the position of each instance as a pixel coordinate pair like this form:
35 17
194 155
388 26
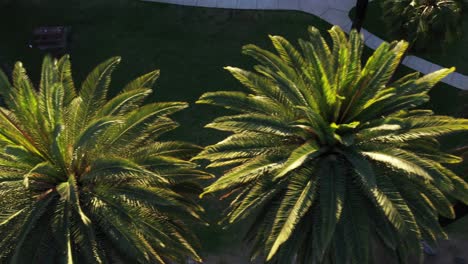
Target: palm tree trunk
361 8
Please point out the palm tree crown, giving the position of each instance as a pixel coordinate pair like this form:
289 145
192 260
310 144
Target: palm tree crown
83 179
330 156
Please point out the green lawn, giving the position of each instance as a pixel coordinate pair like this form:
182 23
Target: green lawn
458 228
189 45
454 54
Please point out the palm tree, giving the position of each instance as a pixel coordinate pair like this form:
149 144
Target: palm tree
424 22
327 157
83 179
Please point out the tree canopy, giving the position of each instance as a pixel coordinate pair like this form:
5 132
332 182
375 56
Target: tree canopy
84 179
329 155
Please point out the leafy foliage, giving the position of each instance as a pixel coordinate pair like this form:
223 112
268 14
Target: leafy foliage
83 179
424 22
329 156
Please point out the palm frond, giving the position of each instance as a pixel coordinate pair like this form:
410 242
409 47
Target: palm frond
94 91
356 137
301 198
83 179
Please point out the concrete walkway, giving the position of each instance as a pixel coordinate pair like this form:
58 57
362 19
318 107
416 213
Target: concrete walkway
334 12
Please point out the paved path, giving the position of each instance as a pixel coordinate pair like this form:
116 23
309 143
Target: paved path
334 12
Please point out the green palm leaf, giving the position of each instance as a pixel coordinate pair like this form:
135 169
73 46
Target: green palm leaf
299 156
370 167
84 179
302 197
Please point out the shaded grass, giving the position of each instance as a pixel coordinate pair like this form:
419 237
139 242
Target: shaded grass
190 46
458 228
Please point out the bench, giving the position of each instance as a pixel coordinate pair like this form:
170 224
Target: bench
53 39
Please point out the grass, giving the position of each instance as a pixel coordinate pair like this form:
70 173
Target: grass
453 54
458 228
190 46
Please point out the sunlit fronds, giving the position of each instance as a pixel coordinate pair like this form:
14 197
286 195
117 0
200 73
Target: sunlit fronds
83 178
371 167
